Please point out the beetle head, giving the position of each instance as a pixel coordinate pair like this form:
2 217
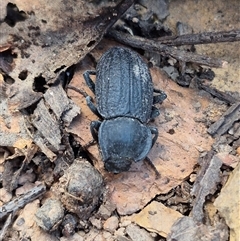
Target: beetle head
117 165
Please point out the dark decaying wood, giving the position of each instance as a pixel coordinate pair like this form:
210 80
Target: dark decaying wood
217 93
154 46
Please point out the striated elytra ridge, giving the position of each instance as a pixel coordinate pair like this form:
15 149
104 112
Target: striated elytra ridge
125 85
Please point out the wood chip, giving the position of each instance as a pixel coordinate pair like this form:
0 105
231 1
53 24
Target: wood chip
20 202
224 123
63 107
47 125
205 184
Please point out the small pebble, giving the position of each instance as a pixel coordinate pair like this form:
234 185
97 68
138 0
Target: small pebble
138 234
122 238
96 222
135 20
193 177
172 61
107 236
5 196
26 177
75 237
238 151
125 223
25 188
231 131
20 221
49 214
120 232
68 225
105 210
111 224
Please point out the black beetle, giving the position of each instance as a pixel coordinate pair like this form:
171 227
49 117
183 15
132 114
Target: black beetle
125 101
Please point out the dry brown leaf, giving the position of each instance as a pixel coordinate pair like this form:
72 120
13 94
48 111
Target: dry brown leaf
157 218
228 203
175 153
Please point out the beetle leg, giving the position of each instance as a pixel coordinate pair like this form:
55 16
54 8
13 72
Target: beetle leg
94 127
88 80
154 132
149 162
155 113
159 98
92 107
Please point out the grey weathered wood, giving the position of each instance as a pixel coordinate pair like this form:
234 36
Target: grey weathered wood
21 201
6 226
154 46
230 99
63 107
205 184
201 38
41 143
47 125
226 121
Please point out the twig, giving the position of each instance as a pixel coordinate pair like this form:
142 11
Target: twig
217 93
6 226
28 157
201 38
226 121
153 46
21 201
